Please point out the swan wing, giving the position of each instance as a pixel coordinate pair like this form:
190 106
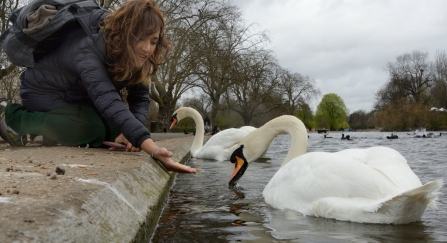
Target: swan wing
387 161
410 205
343 185
221 145
248 128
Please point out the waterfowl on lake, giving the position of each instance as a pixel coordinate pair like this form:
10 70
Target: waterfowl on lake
372 185
421 133
393 136
348 137
219 146
431 135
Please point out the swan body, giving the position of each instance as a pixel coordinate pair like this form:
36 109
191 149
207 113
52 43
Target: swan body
219 146
373 185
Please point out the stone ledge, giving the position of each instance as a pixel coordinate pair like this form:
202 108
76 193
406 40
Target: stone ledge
104 196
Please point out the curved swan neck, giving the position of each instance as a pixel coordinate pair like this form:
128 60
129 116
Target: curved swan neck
197 144
298 143
258 141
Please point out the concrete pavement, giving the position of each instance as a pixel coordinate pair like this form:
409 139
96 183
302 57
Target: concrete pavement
74 194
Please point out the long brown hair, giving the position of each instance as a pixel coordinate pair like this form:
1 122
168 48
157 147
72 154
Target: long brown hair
123 27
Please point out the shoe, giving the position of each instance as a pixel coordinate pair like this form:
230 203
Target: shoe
48 142
9 135
45 141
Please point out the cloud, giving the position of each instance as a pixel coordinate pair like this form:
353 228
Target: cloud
345 45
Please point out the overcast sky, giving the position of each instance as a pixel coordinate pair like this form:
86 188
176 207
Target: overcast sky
345 44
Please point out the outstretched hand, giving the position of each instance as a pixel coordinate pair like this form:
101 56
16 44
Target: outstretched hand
164 156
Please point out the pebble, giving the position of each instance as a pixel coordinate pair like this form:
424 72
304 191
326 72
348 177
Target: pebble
60 171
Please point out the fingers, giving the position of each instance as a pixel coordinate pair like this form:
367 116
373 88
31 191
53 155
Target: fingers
176 167
170 165
131 148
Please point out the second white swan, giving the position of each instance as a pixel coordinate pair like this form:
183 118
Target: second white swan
219 146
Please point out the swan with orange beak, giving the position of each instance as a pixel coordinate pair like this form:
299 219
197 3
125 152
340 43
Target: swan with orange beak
367 185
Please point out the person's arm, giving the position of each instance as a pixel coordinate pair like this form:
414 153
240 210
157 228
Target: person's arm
106 98
138 100
161 154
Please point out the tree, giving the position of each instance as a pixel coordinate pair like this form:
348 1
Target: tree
176 76
200 104
411 77
403 115
109 3
331 112
220 45
8 71
255 82
357 120
306 116
361 120
10 86
439 90
296 90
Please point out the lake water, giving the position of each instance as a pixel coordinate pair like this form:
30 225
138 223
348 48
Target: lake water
202 207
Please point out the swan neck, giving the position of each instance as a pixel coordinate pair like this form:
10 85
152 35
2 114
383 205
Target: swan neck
259 141
298 145
197 143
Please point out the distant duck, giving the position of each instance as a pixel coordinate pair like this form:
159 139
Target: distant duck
420 133
348 137
432 135
393 136
325 136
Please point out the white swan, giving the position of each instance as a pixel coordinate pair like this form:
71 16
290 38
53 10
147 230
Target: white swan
373 185
219 146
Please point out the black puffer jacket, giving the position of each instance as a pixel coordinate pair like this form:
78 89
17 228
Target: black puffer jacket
43 90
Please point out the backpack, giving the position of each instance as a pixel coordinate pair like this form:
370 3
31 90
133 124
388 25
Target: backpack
39 26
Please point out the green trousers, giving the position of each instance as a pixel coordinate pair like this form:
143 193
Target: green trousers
70 125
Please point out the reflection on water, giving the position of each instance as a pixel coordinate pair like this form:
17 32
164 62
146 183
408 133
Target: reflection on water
202 208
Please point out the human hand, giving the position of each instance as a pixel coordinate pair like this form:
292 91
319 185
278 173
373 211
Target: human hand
164 156
129 147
